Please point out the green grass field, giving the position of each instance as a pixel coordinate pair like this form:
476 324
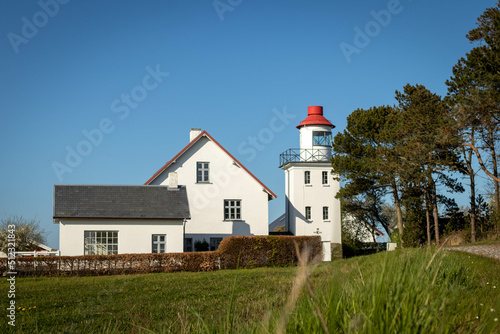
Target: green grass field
395 292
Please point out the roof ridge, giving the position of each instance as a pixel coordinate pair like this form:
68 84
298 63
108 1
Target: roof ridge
191 143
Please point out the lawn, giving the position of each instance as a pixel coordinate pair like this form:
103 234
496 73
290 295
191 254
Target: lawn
410 291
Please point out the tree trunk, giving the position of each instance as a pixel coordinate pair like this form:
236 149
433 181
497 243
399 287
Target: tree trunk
495 173
398 212
470 172
428 219
435 210
490 143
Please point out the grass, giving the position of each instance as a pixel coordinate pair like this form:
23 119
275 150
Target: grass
395 292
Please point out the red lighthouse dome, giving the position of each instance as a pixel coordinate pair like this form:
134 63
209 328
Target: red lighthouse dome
315 117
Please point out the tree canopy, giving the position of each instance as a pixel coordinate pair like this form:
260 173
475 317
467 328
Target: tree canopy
27 233
411 152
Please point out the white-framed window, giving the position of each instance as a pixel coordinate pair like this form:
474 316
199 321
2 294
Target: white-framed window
325 213
214 243
159 243
324 177
308 212
202 171
188 244
100 242
307 177
322 138
232 209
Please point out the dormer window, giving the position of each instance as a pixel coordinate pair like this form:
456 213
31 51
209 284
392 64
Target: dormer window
322 138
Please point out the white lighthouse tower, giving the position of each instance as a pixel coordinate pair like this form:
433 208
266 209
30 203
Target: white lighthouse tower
311 206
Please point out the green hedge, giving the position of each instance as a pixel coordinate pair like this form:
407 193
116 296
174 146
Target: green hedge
258 251
234 251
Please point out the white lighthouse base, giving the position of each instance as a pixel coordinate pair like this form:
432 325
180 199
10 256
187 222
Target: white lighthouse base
327 251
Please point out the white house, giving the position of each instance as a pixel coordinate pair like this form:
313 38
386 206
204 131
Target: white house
100 219
224 197
310 204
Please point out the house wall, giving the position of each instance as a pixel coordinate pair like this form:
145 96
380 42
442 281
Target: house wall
134 236
206 200
315 195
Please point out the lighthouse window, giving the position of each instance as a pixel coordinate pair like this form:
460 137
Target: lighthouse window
307 177
325 213
308 212
202 172
232 209
324 177
322 138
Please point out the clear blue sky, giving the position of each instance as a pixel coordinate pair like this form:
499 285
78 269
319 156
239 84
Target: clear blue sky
85 65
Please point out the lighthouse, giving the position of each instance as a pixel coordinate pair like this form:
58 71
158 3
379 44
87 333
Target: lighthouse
310 188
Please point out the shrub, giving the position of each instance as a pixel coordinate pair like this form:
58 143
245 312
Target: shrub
234 251
258 251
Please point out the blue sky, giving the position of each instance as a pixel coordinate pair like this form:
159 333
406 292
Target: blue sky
136 76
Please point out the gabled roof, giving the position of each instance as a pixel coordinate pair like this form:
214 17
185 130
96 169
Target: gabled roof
194 141
123 202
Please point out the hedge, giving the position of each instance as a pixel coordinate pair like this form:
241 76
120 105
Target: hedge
258 251
233 252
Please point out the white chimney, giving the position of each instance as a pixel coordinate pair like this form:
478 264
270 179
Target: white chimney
193 133
172 180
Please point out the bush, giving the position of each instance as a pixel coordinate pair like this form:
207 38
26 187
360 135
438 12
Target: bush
258 251
234 251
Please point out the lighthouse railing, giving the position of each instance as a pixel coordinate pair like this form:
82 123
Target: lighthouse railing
304 155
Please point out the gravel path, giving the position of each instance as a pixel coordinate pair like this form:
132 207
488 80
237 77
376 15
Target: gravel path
484 250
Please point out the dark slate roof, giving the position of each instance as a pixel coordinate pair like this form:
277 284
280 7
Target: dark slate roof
123 202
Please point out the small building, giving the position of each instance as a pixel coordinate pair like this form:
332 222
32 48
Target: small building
103 219
310 188
225 198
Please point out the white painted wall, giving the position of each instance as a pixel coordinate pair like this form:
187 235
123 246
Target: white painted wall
306 139
206 200
134 236
316 195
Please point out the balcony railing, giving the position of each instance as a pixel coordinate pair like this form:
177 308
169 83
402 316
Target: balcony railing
304 155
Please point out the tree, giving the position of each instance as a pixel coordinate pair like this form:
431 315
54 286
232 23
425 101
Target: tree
27 233
365 209
428 144
475 91
364 157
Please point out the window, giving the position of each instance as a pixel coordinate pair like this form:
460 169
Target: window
322 138
100 242
159 243
232 209
214 243
308 212
188 244
325 213
307 177
202 172
324 177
